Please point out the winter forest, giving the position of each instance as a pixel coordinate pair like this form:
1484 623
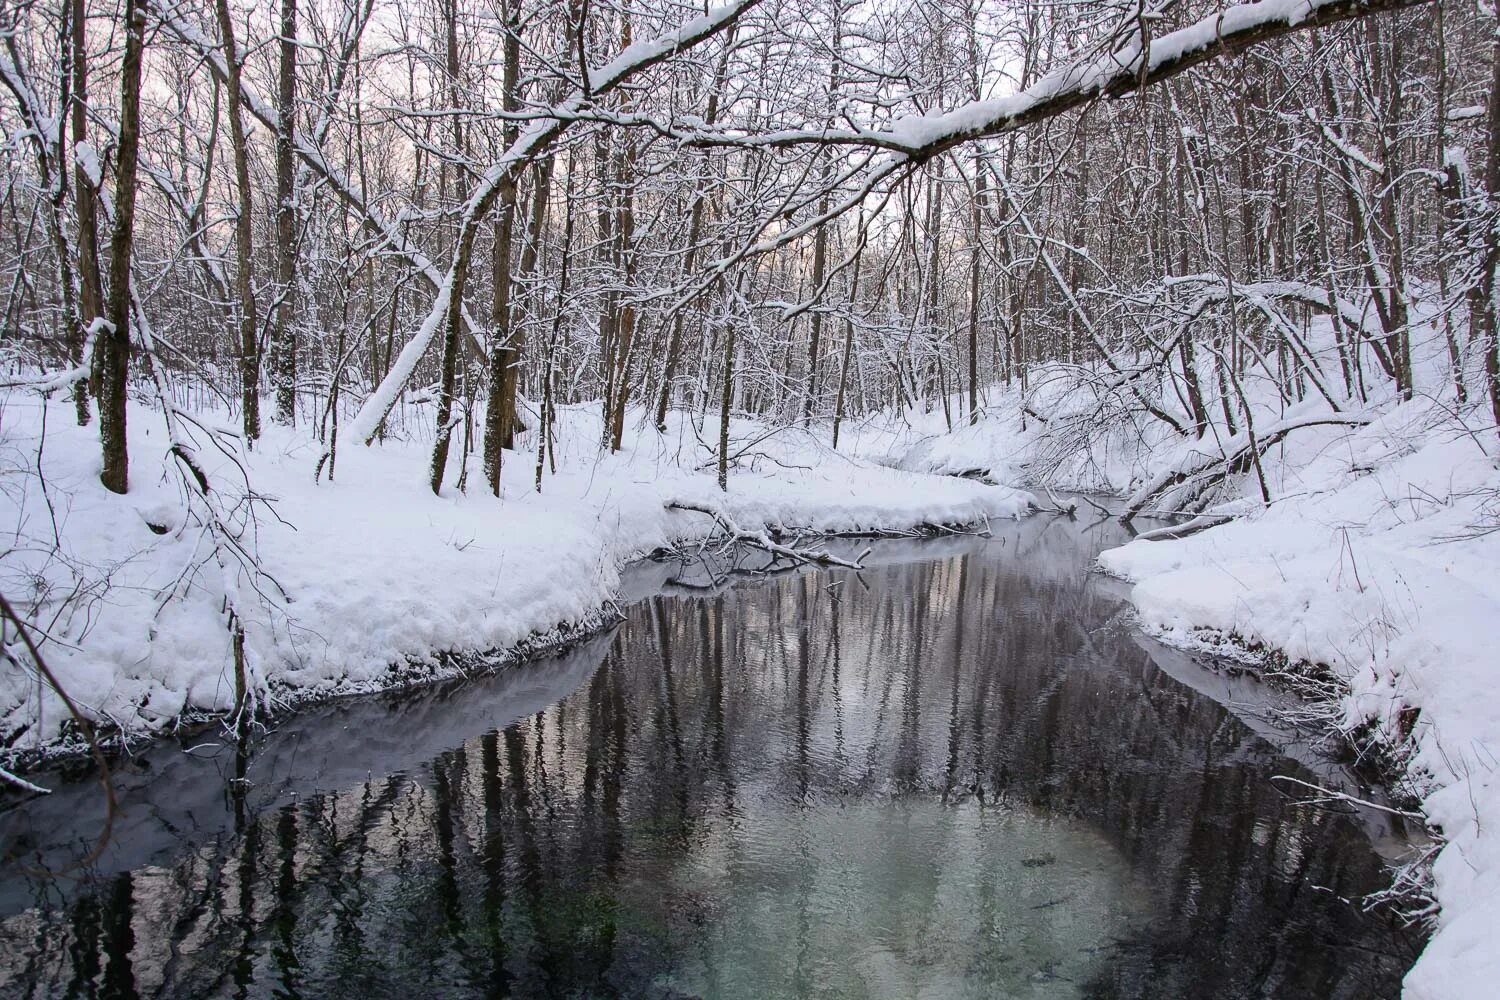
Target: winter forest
788 498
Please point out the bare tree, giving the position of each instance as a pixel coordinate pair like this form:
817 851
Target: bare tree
114 341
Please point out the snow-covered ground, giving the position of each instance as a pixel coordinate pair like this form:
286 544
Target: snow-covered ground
1380 562
1377 558
379 575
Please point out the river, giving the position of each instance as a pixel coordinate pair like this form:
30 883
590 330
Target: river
958 773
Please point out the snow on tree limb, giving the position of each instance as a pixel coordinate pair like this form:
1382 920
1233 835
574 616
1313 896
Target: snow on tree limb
308 149
528 146
1078 82
1119 72
1205 462
763 541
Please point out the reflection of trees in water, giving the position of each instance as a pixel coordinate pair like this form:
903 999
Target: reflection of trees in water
537 860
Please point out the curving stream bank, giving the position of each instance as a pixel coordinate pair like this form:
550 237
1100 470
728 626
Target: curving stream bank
957 773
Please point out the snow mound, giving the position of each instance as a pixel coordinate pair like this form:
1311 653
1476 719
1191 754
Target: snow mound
1382 567
380 575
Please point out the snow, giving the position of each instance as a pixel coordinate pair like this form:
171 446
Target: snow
87 158
531 143
1378 575
1090 74
1376 558
651 50
380 575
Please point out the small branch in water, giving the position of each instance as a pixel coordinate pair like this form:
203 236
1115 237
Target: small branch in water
1097 506
85 727
1058 507
22 783
929 529
1327 795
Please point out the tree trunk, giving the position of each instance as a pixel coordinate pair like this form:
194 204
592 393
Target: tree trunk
284 336
1440 112
839 399
979 190
504 356
114 343
453 335
1489 329
625 234
85 201
244 283
726 404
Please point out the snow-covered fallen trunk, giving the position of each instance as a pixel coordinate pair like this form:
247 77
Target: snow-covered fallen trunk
759 539
1205 461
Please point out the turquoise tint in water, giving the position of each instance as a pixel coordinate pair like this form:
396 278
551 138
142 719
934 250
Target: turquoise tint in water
905 898
952 775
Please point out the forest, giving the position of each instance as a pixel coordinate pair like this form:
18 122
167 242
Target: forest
349 346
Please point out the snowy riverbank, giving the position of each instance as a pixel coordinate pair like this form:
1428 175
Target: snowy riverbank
1382 566
1375 558
380 576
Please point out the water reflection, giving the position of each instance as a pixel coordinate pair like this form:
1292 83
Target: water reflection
951 775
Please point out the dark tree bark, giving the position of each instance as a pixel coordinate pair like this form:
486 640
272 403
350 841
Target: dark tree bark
454 328
625 238
1488 330
504 355
114 343
726 404
979 191
843 390
815 332
244 281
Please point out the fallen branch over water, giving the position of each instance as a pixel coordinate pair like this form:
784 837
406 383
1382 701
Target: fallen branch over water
1058 507
1191 478
1189 527
761 540
1326 796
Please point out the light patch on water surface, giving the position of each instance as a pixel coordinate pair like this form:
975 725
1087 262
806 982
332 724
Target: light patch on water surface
902 898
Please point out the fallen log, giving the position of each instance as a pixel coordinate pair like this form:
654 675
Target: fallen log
761 540
1196 472
1189 527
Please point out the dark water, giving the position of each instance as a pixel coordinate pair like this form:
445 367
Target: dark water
953 775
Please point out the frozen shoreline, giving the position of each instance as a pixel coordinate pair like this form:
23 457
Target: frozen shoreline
1375 559
1368 561
387 586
